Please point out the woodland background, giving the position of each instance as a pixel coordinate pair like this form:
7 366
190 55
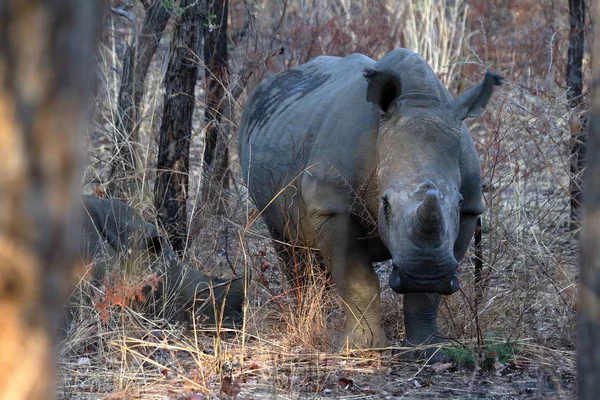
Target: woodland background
172 77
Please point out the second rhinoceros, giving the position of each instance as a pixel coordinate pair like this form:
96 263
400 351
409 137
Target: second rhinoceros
114 235
369 161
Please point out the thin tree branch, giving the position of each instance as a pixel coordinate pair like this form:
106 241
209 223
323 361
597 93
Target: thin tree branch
122 11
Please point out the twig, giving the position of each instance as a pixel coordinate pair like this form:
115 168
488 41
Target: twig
146 3
226 234
122 11
478 264
245 74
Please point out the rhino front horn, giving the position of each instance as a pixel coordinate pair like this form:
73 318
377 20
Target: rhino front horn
430 219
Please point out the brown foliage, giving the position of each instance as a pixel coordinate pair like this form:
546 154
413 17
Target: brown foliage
118 293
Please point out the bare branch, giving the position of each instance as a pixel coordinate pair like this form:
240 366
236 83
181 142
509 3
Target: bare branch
122 11
246 73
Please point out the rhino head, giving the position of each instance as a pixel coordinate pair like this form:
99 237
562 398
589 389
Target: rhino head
419 147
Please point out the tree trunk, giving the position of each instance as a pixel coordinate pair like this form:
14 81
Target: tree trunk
46 55
176 127
136 62
588 362
578 120
216 153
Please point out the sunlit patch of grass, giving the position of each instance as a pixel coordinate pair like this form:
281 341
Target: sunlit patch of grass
495 349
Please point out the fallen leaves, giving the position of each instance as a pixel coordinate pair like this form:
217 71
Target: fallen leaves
265 265
440 367
83 361
346 383
230 386
417 384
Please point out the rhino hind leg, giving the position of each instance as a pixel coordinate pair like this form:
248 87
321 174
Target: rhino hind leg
301 266
356 282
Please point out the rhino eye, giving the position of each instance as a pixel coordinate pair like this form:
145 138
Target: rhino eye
386 207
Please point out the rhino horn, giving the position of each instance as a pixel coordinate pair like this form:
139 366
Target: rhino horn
429 216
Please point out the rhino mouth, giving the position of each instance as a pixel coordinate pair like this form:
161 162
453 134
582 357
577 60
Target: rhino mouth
407 280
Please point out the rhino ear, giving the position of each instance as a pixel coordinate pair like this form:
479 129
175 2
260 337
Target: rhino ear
383 89
472 101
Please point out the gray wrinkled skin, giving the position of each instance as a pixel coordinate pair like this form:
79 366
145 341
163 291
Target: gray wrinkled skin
377 164
114 235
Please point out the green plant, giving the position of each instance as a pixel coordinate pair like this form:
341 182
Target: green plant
494 348
173 6
499 349
461 355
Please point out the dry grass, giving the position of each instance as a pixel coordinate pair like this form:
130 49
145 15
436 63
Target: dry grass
528 294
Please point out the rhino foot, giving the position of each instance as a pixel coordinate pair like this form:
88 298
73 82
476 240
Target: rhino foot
358 339
429 350
420 321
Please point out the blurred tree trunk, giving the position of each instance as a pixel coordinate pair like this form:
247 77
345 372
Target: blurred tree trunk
136 62
46 55
588 361
216 153
578 122
176 127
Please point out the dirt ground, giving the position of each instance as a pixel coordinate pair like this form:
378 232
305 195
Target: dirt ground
284 349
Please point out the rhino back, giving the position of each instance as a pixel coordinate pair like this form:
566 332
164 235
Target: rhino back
312 118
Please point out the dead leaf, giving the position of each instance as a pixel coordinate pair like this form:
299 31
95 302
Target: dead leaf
265 265
263 281
229 387
369 391
83 361
100 192
345 383
439 367
283 380
193 396
115 396
420 385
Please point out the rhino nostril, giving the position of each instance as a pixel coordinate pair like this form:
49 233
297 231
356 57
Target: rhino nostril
427 185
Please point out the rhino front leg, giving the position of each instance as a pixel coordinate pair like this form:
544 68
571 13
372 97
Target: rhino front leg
356 281
420 322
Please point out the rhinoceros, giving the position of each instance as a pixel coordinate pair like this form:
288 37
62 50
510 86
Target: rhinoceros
113 234
369 161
